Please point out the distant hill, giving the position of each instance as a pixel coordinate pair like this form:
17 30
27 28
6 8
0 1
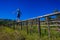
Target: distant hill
6 21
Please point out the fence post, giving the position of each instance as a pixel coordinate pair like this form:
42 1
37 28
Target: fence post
48 25
31 23
27 26
14 26
35 21
21 25
39 27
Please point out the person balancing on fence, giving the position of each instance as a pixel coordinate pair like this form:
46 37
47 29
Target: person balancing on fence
18 15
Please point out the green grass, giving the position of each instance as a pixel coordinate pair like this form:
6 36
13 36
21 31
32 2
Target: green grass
10 34
7 33
54 34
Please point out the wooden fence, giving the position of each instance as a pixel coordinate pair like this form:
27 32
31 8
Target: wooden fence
50 21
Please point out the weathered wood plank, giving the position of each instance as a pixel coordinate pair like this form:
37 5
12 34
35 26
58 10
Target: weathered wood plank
44 16
39 27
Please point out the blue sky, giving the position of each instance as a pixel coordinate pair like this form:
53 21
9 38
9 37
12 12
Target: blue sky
29 8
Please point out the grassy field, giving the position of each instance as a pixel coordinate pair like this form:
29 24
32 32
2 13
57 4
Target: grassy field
54 32
7 33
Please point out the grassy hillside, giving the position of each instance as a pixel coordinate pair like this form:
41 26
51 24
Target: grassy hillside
10 34
7 33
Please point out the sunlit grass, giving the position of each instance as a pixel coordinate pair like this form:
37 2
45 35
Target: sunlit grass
7 33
